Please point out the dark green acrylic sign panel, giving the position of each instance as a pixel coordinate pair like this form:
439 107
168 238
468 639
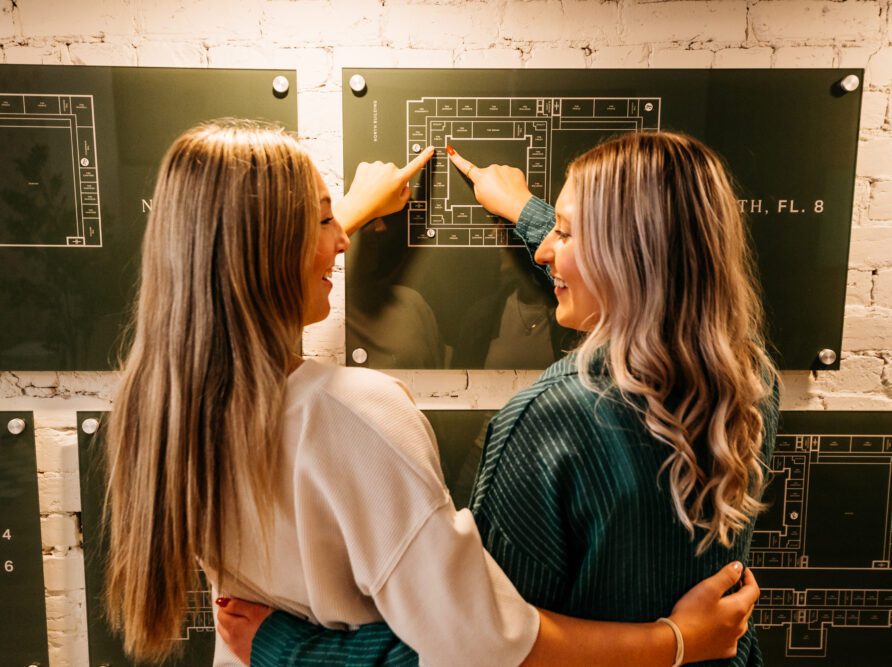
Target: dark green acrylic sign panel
23 638
81 149
106 649
425 291
822 551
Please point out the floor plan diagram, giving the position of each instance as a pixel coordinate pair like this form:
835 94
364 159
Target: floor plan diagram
50 172
822 551
538 135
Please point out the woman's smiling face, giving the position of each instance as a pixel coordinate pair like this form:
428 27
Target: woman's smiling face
578 307
332 241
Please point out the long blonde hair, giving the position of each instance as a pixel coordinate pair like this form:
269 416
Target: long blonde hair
663 246
198 408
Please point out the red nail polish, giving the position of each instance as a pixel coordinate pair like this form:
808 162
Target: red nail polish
450 149
221 601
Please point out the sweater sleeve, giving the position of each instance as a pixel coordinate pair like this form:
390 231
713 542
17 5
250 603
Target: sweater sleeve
286 641
536 220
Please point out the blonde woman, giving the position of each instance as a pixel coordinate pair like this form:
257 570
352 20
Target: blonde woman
315 489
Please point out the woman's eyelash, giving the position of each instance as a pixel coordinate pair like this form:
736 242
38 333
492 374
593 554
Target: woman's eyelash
561 235
326 220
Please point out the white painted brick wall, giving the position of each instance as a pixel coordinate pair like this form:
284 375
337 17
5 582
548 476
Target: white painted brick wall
812 21
753 57
75 18
170 54
194 19
684 22
102 53
859 286
804 56
7 21
610 57
319 37
553 21
681 58
879 68
881 200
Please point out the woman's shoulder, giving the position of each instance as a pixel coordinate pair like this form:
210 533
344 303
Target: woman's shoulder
352 388
360 407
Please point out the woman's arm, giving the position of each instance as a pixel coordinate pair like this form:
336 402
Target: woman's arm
710 625
378 189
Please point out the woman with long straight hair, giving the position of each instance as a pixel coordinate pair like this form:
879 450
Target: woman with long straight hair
634 466
312 488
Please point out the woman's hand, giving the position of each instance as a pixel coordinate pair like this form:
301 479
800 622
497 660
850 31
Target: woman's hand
378 189
238 622
711 624
500 189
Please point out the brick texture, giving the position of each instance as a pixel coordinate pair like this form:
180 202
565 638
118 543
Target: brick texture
749 57
804 56
193 19
816 21
859 285
102 53
80 18
553 21
684 22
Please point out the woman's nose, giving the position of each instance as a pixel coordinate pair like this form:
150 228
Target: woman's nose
544 252
343 240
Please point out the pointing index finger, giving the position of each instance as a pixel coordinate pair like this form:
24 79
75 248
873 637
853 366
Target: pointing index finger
417 163
464 166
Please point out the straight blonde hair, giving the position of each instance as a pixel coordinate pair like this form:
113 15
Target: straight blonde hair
663 246
198 409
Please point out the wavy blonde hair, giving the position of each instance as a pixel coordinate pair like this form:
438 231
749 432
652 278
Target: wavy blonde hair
199 405
663 246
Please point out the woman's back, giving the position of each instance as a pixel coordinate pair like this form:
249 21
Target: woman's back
361 509
568 502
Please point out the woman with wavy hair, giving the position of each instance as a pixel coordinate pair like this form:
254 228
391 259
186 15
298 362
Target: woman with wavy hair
312 488
633 467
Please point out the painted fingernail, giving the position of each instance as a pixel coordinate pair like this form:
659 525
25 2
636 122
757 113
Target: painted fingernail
450 149
736 566
222 602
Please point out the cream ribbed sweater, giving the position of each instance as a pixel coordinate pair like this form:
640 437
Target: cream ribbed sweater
366 530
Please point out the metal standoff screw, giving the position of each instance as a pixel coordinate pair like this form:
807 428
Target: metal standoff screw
431 233
416 148
16 426
360 356
827 356
357 83
90 426
281 85
794 515
850 83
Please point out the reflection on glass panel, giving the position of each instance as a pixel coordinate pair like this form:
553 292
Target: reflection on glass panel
460 436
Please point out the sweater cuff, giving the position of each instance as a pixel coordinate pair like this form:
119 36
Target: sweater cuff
536 213
276 639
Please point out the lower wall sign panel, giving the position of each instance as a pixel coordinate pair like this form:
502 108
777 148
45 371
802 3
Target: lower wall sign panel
106 649
23 637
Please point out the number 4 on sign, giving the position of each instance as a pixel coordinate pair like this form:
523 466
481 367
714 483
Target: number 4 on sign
7 535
